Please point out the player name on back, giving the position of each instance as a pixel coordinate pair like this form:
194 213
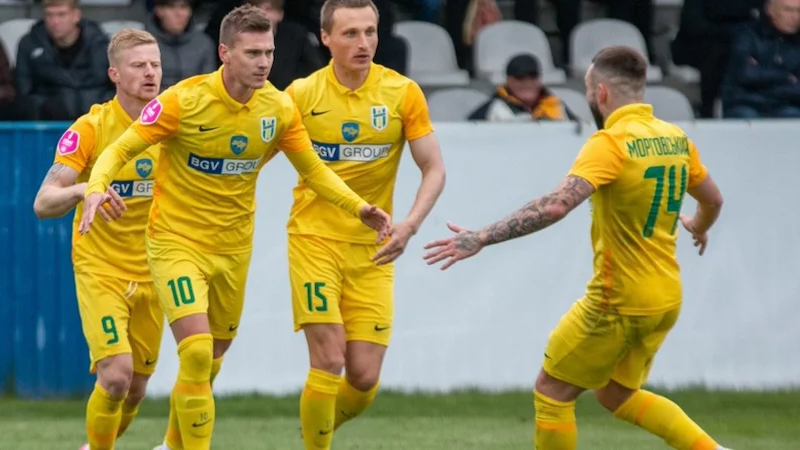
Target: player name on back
223 166
351 152
140 188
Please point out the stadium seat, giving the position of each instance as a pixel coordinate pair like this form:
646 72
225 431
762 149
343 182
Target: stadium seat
669 104
455 104
497 43
431 55
576 102
591 36
112 26
11 32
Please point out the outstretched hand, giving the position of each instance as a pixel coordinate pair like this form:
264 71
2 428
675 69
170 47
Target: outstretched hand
377 219
109 205
700 240
400 233
461 246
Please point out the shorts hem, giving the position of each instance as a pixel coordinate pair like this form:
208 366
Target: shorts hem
567 379
227 337
177 317
370 339
149 371
321 321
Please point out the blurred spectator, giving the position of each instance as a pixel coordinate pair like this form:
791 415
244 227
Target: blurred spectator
704 38
392 50
185 52
764 66
297 52
62 67
523 98
462 20
10 107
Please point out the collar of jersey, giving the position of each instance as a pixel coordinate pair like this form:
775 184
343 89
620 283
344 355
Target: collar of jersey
123 117
219 87
628 111
372 77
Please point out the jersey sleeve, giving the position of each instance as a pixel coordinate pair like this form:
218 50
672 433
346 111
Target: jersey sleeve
416 116
116 155
697 171
160 119
324 181
599 161
77 145
295 138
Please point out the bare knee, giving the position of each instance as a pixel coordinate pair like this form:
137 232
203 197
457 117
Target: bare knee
115 374
363 364
556 389
138 389
221 346
326 347
613 395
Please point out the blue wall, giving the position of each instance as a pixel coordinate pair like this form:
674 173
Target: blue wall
42 350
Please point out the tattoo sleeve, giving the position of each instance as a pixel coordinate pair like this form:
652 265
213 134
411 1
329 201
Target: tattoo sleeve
540 213
54 173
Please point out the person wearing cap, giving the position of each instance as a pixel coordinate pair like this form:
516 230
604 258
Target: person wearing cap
185 52
522 97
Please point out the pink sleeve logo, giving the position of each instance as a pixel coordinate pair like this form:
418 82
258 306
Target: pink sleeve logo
151 112
68 143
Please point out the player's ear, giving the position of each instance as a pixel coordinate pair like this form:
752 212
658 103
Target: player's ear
223 53
326 38
113 74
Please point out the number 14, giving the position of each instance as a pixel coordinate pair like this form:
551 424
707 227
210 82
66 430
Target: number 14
673 201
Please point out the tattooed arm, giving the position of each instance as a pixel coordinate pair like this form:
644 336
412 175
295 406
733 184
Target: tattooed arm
538 214
535 216
58 193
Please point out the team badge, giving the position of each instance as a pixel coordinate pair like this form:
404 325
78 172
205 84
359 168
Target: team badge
269 127
68 143
380 117
144 167
239 143
350 131
151 112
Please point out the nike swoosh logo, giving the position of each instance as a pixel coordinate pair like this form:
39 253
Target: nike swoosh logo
318 113
324 432
196 425
377 328
202 128
233 328
149 362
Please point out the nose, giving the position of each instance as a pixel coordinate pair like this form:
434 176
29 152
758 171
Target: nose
362 41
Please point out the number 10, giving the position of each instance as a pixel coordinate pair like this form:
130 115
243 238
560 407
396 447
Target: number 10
673 201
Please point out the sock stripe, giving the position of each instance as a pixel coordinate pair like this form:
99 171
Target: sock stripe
646 404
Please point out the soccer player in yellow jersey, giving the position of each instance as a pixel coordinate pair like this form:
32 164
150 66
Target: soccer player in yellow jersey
359 116
121 316
636 170
216 132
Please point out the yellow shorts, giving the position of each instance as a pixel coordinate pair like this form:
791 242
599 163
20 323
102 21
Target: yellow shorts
591 346
337 282
118 317
189 281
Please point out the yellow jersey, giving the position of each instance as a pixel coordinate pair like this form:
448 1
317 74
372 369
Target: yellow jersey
212 150
112 248
641 168
360 134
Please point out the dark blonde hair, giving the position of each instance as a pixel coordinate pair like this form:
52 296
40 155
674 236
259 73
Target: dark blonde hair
330 7
243 19
127 39
621 66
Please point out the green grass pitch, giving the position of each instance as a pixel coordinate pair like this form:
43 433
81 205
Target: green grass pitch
464 421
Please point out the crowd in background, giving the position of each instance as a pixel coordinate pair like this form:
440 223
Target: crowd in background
746 51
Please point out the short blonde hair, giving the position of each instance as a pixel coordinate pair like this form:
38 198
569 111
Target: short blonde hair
243 19
330 7
71 3
127 39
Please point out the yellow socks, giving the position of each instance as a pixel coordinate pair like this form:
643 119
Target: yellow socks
129 413
350 402
103 414
173 437
666 420
318 409
193 401
555 424
216 365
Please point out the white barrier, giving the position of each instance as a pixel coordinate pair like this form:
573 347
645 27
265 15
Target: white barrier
484 322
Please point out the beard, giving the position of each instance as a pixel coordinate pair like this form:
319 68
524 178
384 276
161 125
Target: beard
598 116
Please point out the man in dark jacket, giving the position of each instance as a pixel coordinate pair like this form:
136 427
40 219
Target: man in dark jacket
185 52
762 77
62 67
